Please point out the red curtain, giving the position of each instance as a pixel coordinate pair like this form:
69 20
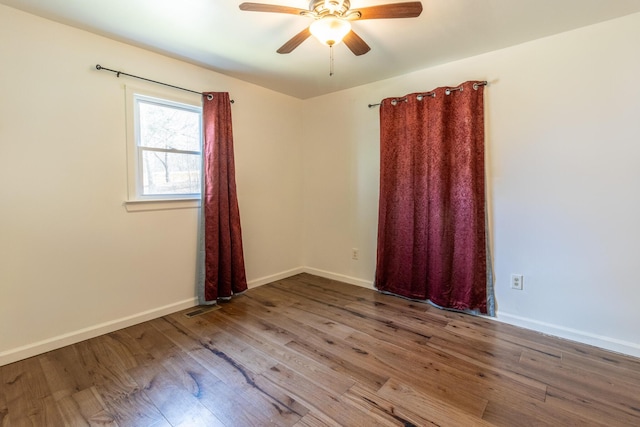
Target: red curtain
224 273
431 230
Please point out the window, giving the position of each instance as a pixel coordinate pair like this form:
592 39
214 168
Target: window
164 148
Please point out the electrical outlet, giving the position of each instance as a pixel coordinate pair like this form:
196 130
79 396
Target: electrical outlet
355 253
517 281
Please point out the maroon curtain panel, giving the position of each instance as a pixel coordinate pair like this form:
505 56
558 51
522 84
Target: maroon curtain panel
224 258
431 229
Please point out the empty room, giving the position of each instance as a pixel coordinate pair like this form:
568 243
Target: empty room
319 213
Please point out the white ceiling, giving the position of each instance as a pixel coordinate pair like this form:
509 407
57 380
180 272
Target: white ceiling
217 35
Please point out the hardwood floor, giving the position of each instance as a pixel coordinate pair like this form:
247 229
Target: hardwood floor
307 352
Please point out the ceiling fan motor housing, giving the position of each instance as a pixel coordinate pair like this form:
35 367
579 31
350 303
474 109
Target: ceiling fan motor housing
335 7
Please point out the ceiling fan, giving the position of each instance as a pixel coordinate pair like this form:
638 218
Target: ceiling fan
332 20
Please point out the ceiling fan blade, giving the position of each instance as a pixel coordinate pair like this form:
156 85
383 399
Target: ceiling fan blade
295 41
261 7
409 9
356 44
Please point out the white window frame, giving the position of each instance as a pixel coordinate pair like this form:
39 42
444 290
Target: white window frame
136 200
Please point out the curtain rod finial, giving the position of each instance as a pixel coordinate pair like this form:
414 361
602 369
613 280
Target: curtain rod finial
98 67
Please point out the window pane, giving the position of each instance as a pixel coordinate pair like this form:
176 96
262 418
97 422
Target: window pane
164 126
170 173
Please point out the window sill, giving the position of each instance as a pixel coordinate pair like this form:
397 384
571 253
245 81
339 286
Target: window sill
158 205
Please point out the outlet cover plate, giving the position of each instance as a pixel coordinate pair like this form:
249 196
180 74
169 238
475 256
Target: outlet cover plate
517 281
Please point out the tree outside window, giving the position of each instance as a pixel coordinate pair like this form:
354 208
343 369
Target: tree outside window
169 147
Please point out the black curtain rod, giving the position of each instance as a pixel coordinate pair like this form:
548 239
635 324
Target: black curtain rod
119 73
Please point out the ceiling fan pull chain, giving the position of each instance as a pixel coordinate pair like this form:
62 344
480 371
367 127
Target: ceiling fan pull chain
330 60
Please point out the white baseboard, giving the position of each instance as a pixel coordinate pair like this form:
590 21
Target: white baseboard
317 272
607 343
272 278
339 277
59 341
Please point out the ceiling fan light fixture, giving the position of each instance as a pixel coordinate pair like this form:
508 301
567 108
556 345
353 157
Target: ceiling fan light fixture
330 30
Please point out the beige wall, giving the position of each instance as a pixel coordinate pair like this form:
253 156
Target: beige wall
562 153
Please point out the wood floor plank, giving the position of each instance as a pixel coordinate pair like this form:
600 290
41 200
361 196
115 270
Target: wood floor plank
64 373
75 412
342 363
307 339
363 295
620 394
417 321
255 319
91 407
602 366
479 350
264 398
319 372
485 377
500 370
507 341
28 398
175 403
187 388
125 401
268 298
460 389
233 347
435 410
373 402
70 412
567 347
260 362
48 413
317 397
508 413
308 351
595 411
379 329
148 340
317 321
4 410
312 294
229 406
313 419
291 330
130 353
73 390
